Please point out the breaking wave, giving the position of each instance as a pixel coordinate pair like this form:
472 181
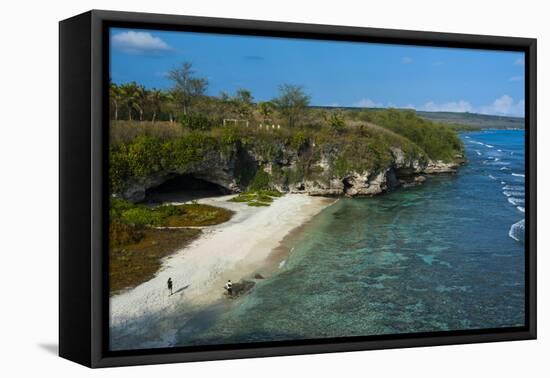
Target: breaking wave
516 201
517 231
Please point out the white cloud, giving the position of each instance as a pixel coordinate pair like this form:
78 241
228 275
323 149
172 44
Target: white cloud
368 103
505 105
453 106
406 60
520 61
516 78
139 42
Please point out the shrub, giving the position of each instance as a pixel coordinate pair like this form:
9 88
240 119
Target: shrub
195 121
260 180
336 122
123 234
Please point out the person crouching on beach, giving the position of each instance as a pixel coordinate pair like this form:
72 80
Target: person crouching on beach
229 287
170 286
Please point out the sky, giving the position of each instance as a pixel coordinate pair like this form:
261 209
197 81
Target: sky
333 73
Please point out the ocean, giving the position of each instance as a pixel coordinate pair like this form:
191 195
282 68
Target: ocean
445 255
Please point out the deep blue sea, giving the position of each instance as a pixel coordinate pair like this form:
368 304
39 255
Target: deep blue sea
446 255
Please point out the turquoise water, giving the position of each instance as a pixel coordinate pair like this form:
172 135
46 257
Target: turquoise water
447 255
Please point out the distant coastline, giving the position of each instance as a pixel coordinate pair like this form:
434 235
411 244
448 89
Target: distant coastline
477 120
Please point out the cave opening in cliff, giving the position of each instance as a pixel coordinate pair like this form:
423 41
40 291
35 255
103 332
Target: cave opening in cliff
347 185
182 188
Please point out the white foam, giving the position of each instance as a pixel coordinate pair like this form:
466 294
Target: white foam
467 137
516 201
514 187
518 174
492 177
521 209
512 194
488 145
499 150
517 230
504 169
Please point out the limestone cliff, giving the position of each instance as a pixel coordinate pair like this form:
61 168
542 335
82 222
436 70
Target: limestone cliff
323 170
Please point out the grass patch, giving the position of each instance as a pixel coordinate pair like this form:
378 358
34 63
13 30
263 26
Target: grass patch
188 215
198 215
257 198
137 247
137 262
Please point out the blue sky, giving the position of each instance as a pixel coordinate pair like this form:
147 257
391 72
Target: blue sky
332 73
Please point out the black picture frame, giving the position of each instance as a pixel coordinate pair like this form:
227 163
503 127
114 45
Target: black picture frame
83 121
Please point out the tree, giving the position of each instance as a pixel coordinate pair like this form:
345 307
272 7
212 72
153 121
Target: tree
141 100
265 109
130 97
243 101
156 99
291 102
170 105
117 97
186 86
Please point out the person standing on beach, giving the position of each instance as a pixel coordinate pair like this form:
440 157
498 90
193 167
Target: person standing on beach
229 287
170 286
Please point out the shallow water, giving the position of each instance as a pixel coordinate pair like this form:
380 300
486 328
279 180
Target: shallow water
447 255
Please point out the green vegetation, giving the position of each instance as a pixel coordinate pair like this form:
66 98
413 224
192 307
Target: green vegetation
137 246
265 145
458 127
187 215
364 142
183 127
135 262
478 121
438 141
257 198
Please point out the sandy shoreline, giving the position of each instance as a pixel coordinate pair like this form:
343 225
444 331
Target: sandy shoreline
233 250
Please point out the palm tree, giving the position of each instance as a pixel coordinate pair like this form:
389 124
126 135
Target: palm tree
130 97
170 105
141 98
156 99
117 97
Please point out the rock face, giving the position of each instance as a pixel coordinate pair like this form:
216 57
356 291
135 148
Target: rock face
441 167
309 169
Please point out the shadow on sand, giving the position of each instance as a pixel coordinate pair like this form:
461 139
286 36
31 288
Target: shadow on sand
180 289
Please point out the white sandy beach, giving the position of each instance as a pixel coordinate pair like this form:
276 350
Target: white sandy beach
233 250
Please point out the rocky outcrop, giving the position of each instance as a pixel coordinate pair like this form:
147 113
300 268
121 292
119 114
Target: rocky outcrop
217 168
309 170
441 167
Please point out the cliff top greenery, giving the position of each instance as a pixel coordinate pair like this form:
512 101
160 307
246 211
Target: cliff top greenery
154 131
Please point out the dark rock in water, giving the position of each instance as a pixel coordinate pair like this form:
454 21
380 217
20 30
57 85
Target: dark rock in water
258 276
240 288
